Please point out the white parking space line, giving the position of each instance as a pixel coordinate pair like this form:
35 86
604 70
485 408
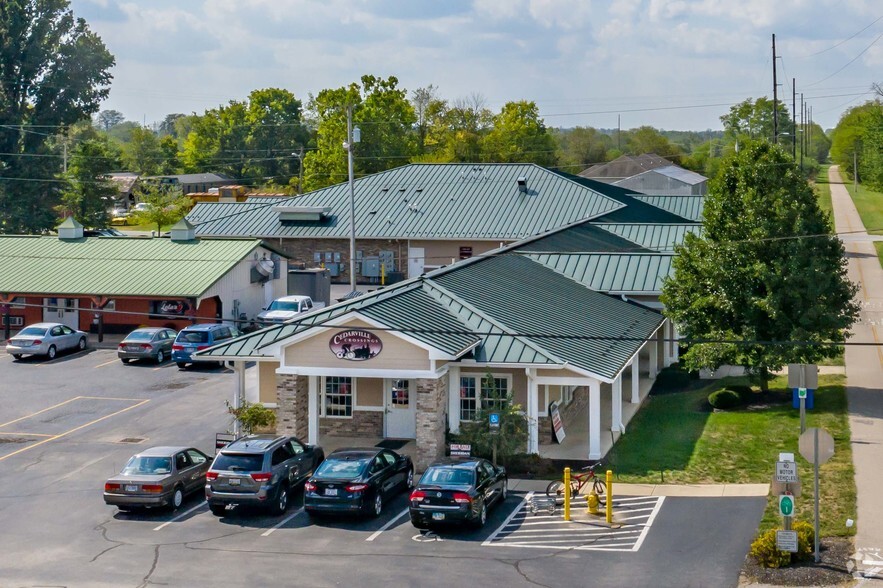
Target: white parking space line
389 524
649 522
107 363
183 514
505 523
269 531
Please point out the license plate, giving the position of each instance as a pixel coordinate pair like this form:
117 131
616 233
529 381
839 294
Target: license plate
330 491
130 488
234 481
438 516
132 348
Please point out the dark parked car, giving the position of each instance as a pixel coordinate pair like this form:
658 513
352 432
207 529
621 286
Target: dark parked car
45 339
198 337
147 343
457 491
259 470
159 476
357 480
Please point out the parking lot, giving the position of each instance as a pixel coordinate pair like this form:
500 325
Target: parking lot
68 424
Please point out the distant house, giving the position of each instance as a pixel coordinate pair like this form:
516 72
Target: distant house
127 183
671 180
624 166
192 182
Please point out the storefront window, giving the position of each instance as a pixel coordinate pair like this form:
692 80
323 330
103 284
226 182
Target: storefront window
468 399
400 393
338 397
493 395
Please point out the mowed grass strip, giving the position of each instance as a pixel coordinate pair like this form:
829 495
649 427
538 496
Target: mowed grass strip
677 439
823 190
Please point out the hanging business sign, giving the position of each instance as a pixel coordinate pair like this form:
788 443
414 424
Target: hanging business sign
355 345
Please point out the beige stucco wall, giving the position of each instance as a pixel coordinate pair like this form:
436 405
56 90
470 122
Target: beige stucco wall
267 381
396 353
369 392
441 252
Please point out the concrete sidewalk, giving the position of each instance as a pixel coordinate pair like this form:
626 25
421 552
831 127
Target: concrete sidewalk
864 375
684 490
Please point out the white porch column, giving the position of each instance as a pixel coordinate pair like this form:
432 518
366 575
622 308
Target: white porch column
675 349
313 410
653 345
667 344
533 425
594 419
454 399
239 394
616 406
636 379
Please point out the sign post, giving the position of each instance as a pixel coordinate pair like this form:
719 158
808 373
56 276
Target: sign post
816 445
783 480
494 425
803 378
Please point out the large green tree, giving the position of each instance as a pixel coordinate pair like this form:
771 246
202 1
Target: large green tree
54 71
581 147
90 193
385 118
519 135
753 119
143 153
857 137
646 139
766 275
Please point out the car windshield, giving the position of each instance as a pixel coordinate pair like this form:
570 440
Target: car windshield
341 469
444 476
139 336
143 465
193 336
282 305
35 331
244 462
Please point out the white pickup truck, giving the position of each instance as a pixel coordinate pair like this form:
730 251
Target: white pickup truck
286 308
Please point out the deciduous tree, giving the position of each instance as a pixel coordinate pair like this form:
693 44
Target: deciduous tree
166 205
90 193
519 135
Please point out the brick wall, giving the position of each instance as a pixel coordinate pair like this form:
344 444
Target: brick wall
292 397
545 430
363 424
431 419
301 251
578 407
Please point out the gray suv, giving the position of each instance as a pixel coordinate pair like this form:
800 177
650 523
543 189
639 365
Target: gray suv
259 470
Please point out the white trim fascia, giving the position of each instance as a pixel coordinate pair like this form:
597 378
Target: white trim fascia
361 408
628 364
577 371
358 373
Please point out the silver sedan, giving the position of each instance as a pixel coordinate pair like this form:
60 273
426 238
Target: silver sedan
158 477
45 339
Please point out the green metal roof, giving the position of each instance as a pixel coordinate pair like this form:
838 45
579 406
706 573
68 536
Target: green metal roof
689 207
117 266
614 273
662 238
580 238
425 201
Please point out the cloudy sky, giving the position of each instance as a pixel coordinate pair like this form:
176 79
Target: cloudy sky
672 64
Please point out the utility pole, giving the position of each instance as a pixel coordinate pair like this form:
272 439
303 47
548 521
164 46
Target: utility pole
803 128
794 119
619 132
349 151
854 172
300 172
775 97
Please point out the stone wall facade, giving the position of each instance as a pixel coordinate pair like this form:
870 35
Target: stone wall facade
544 424
364 423
431 419
292 402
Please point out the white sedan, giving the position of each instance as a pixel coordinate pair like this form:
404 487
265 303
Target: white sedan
45 339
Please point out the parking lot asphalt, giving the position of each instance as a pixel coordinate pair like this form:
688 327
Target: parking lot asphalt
68 424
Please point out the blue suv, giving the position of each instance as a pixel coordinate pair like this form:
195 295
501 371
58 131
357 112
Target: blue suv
198 337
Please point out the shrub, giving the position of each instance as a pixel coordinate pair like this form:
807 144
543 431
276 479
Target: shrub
765 552
724 399
746 393
671 378
805 540
253 416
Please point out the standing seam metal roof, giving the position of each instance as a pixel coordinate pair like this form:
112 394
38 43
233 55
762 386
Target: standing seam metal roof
614 273
662 238
689 207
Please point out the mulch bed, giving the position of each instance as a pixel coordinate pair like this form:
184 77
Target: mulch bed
833 568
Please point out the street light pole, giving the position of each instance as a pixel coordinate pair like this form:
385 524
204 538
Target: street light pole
349 151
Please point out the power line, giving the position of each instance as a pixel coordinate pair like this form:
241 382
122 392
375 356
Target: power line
848 63
849 38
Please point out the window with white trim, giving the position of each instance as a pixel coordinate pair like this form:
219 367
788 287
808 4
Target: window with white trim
339 397
476 392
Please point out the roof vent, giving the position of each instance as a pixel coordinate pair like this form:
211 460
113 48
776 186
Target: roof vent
522 184
70 229
183 230
301 213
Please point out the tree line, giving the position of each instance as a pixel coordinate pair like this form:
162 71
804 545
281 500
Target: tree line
858 139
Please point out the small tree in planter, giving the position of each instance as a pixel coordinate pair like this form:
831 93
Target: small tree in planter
511 438
253 417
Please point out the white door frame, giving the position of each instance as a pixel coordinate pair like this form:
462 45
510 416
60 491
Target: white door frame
416 261
65 311
400 421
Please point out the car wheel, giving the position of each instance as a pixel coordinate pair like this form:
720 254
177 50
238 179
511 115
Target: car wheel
16 355
81 344
410 481
51 352
481 519
378 505
160 356
280 505
177 498
181 364
218 509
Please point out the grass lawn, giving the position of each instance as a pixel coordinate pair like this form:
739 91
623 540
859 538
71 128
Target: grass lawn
676 438
823 189
870 208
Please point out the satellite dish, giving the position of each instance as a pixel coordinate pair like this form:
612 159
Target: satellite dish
265 267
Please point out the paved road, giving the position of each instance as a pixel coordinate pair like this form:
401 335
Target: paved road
864 374
62 426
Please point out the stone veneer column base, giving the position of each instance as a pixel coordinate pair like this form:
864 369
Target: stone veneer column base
292 402
431 419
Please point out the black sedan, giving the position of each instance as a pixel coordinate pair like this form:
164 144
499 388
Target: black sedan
147 343
357 481
456 491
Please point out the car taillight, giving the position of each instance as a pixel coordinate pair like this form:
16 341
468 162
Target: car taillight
152 487
462 498
211 475
309 487
111 487
201 347
121 347
356 487
262 477
37 342
146 346
177 348
418 495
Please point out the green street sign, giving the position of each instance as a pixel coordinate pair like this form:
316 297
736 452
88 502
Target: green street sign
786 505
801 392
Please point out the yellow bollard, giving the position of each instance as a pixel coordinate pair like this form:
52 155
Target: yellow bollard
609 496
566 494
